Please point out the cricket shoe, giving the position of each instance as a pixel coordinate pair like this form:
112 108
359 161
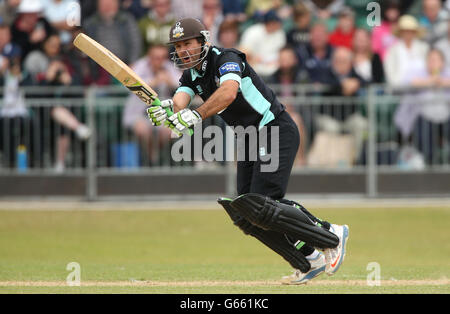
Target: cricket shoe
335 257
298 278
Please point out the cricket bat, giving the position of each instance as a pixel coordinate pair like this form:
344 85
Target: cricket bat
122 72
116 67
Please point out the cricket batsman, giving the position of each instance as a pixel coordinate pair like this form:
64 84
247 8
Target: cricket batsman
231 89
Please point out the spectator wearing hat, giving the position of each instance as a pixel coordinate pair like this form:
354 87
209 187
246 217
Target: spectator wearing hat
382 36
30 28
262 43
8 10
434 19
408 53
345 29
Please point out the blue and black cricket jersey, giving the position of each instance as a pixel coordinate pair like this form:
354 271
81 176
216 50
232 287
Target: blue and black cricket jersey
255 104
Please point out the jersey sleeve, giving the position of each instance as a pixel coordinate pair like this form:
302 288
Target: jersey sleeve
185 86
230 67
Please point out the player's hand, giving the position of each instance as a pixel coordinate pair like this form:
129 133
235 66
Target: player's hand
183 121
160 111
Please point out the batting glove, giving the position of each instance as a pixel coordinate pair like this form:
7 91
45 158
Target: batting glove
184 121
160 111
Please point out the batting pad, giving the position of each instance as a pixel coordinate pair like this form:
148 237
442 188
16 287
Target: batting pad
268 214
276 241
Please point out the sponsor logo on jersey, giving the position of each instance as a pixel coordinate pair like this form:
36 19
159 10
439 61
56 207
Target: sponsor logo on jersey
229 67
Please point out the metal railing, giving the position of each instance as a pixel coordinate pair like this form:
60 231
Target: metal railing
361 134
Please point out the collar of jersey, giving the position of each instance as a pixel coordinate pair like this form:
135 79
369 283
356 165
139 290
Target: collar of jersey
194 73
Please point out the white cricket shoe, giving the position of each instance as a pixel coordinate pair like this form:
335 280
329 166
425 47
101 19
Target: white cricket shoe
335 257
298 278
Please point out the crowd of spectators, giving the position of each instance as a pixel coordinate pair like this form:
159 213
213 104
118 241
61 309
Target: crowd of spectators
328 43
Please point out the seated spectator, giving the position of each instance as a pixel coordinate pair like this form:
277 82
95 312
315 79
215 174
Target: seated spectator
444 46
212 18
228 34
116 30
343 117
343 34
425 114
256 9
344 80
30 29
233 10
155 26
286 79
289 73
409 52
382 36
315 57
82 69
138 8
367 64
300 33
8 10
88 8
15 120
47 68
57 13
262 43
160 74
182 9
8 49
434 19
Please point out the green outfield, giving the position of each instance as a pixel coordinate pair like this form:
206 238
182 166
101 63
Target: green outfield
200 251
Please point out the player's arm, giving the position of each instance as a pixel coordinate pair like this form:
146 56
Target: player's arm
185 119
181 100
220 99
229 74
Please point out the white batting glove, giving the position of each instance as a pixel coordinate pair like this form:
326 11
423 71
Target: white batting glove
160 111
184 120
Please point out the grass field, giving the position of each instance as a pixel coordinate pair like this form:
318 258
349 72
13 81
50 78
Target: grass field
200 251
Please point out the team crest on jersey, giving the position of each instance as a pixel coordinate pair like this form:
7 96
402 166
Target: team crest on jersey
229 67
217 80
178 31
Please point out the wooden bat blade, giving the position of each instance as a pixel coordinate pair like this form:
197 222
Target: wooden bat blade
116 67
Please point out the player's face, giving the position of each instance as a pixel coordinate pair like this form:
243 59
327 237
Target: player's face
189 51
